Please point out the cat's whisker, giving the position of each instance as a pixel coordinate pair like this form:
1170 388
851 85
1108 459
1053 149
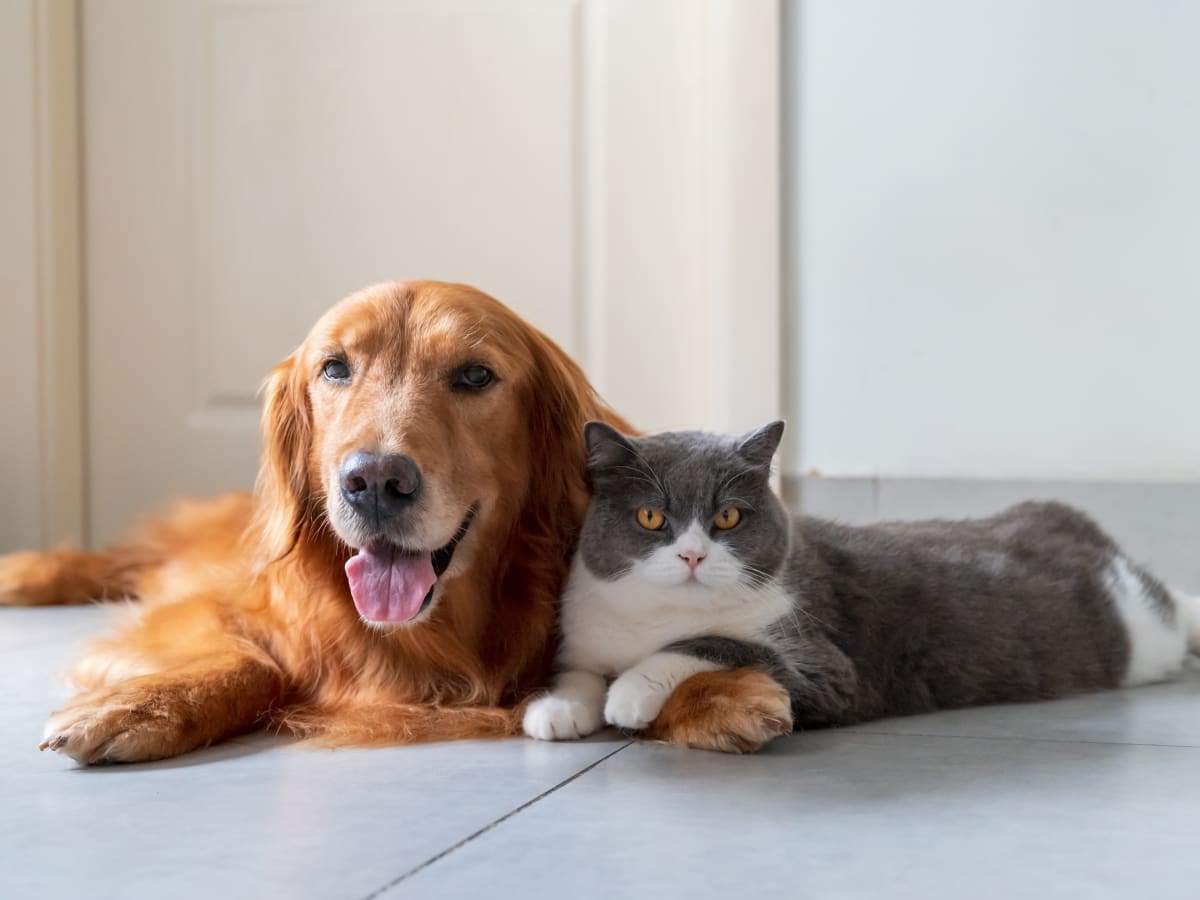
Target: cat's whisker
739 502
798 608
740 473
650 470
639 475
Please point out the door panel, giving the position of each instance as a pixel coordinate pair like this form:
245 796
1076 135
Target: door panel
248 162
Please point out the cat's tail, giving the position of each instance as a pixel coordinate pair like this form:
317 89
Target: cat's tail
1188 609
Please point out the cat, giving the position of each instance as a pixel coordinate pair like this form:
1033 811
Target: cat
688 562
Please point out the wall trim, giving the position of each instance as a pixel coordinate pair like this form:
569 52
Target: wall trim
58 259
1156 522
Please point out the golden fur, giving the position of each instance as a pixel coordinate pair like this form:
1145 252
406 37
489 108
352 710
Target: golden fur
731 711
246 617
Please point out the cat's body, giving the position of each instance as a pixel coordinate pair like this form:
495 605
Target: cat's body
855 622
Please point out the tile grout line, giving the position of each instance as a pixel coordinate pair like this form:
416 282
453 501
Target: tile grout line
378 892
1024 739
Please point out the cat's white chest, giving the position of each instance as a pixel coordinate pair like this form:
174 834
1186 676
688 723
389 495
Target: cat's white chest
611 626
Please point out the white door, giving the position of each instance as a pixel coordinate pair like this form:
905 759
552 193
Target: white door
607 169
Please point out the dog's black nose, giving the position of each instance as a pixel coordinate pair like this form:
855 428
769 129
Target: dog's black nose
379 486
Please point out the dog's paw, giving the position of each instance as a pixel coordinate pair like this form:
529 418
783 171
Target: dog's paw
634 700
110 725
731 712
557 718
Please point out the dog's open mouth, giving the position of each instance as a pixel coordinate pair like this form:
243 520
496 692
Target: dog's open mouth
392 584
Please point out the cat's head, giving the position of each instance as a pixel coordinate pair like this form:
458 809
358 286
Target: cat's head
688 510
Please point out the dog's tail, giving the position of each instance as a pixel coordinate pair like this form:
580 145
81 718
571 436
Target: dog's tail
67 575
192 535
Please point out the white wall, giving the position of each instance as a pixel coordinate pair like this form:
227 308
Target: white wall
993 238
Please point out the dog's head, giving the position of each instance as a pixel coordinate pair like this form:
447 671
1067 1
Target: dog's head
429 430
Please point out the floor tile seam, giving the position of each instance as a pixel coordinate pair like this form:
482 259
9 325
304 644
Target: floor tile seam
404 876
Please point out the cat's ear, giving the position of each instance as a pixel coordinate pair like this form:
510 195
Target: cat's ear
606 446
758 447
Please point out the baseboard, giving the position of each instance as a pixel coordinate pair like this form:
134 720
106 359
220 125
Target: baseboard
1157 523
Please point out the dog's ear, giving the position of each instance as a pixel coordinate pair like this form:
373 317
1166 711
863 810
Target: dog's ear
282 493
558 402
562 402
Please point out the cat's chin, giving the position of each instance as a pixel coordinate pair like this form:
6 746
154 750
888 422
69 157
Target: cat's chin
692 590
677 582
709 582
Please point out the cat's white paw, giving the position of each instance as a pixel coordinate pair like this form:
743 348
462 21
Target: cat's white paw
634 701
557 718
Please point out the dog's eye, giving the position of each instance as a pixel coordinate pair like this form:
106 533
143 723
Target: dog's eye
336 370
474 378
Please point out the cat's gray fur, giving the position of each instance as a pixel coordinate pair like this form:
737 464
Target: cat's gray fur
888 619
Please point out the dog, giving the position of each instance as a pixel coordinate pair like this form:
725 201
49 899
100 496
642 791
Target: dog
394 577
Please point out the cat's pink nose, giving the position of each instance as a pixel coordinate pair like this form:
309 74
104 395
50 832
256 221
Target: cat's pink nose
692 558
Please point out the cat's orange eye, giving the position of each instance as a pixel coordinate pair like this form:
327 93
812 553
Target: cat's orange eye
650 519
727 518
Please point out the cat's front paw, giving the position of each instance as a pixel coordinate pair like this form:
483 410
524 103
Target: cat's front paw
634 701
557 718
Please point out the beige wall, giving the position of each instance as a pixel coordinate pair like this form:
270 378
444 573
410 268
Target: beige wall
41 450
20 514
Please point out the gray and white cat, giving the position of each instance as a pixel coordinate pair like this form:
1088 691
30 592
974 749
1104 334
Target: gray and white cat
687 562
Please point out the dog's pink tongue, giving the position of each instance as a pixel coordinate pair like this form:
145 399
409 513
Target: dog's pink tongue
389 586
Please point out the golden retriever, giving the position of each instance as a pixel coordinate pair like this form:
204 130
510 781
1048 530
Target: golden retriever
395 576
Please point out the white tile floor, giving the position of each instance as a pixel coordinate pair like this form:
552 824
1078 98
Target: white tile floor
1092 797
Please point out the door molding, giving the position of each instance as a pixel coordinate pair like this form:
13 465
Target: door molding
680 250
41 284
